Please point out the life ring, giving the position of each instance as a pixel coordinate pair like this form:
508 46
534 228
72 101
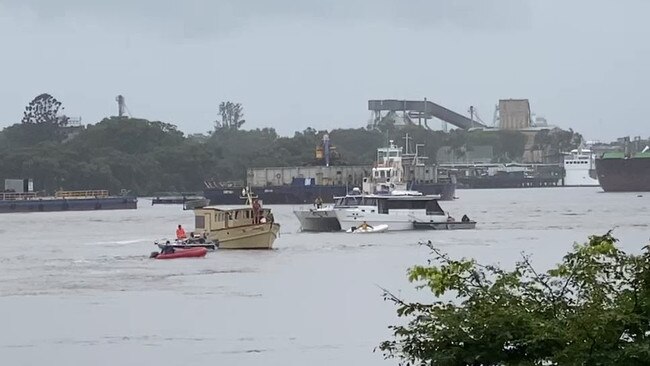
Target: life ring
278 175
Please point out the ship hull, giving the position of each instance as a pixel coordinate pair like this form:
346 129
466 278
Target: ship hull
60 204
397 220
507 181
259 236
579 178
306 194
318 220
624 175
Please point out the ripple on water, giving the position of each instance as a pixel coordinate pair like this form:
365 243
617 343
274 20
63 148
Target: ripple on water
102 273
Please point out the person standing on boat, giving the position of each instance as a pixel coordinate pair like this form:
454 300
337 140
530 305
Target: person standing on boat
318 202
257 209
180 233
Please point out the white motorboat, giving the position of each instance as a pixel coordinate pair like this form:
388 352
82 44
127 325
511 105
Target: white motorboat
387 178
319 219
397 212
367 230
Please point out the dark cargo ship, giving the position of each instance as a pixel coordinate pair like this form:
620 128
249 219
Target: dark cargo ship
304 190
620 172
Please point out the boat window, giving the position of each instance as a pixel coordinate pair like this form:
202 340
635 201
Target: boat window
199 222
382 208
406 205
433 208
351 201
368 201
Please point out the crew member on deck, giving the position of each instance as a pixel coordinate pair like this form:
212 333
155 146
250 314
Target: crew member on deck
257 208
318 202
180 233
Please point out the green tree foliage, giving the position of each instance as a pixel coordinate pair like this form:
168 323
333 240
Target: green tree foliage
44 109
150 156
30 134
593 308
557 140
231 114
114 154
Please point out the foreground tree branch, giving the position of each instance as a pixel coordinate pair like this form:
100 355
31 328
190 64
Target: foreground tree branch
593 308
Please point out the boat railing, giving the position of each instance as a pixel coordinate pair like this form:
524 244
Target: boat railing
14 196
100 193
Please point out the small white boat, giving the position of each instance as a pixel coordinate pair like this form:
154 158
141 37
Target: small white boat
368 230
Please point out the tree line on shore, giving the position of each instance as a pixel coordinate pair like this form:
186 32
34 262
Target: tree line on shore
146 157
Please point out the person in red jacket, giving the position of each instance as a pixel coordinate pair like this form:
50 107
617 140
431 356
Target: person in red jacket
180 233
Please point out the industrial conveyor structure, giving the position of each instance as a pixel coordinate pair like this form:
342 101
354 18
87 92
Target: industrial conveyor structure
421 109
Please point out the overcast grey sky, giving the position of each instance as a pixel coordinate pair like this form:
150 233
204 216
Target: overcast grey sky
295 64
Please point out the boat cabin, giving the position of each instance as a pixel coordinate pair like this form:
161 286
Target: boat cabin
347 201
213 218
384 204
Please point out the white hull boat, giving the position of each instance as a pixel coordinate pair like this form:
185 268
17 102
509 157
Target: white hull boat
399 213
368 230
318 219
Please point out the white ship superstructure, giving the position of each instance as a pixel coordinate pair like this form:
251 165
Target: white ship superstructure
580 168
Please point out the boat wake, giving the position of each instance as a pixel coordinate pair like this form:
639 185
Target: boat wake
121 242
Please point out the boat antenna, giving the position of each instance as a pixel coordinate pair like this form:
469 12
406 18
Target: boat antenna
415 157
326 148
407 138
246 193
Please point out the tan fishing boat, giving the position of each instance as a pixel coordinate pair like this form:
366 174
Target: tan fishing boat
237 228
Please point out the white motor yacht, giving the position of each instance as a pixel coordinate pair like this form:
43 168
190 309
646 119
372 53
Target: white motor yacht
398 212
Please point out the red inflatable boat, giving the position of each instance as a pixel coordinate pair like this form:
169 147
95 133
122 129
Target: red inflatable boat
183 253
